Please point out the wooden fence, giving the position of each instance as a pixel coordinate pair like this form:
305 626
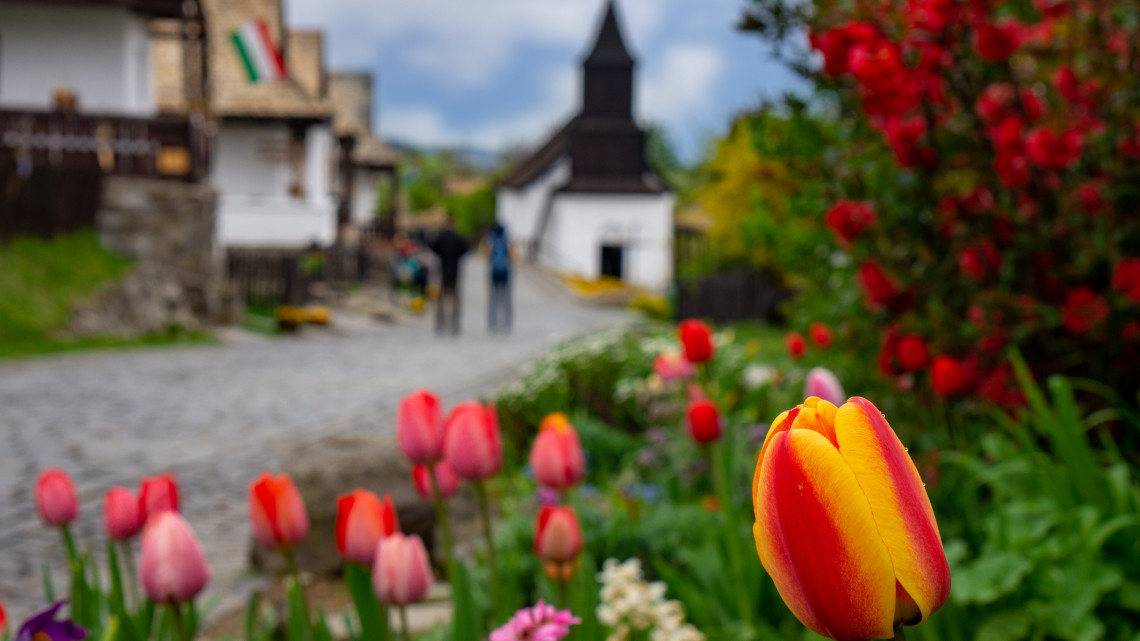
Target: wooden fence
268 278
744 294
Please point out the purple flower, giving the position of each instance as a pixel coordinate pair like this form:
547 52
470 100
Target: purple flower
547 496
540 623
44 627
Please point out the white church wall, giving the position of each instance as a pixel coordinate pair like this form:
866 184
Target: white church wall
254 173
642 224
101 54
520 210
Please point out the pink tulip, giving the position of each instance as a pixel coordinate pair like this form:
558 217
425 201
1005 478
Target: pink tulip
556 456
277 512
173 567
157 494
121 514
472 444
419 427
822 383
401 573
444 476
56 500
671 366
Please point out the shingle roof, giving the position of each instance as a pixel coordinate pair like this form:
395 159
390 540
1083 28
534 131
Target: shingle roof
609 47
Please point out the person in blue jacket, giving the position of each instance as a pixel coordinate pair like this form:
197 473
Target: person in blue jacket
500 264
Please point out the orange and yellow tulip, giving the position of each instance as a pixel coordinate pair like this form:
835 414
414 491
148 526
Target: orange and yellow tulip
843 523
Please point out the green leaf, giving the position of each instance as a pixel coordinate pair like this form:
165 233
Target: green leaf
1005 626
297 627
990 577
373 615
464 622
111 631
49 589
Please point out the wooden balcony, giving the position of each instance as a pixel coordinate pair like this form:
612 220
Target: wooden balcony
164 147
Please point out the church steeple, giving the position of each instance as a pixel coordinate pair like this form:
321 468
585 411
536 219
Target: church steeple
608 70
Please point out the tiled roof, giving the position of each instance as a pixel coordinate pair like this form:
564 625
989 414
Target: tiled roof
371 152
351 96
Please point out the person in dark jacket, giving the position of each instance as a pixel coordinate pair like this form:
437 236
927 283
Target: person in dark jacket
500 281
450 247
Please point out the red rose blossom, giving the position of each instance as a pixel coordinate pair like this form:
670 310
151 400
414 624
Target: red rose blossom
1083 310
879 289
1126 278
947 376
848 219
1050 150
997 41
820 334
912 352
796 344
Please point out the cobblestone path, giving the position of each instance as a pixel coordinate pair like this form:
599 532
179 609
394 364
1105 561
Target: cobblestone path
216 415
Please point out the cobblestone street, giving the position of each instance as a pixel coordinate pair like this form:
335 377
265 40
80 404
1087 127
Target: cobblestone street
216 415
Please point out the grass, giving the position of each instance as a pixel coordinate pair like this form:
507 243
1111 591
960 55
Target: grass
41 281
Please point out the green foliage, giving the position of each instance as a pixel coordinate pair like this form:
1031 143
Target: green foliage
473 213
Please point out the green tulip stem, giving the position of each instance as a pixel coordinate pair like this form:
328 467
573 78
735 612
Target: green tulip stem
404 624
900 634
179 624
295 572
720 483
563 597
485 510
441 516
69 544
132 573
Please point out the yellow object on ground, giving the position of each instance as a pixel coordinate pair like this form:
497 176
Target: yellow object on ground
417 304
291 315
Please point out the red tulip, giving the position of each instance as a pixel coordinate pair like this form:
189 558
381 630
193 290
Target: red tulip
277 512
361 521
445 478
556 456
401 573
912 352
472 444
173 566
795 344
947 376
557 535
158 494
121 514
3 618
843 523
696 339
419 427
820 335
56 499
704 421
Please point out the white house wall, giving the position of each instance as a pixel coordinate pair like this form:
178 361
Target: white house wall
641 223
363 206
101 54
253 173
521 210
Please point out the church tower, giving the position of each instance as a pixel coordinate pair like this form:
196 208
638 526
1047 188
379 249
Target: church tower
608 73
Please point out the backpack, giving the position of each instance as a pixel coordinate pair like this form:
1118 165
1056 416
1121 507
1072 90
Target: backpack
500 255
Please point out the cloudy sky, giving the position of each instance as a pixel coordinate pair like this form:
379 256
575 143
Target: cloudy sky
496 74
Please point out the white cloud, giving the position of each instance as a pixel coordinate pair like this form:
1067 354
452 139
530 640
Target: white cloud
461 43
425 126
678 91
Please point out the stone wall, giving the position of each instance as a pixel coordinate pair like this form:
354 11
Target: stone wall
179 280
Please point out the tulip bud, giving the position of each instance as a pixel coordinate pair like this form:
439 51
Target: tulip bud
557 535
121 514
820 335
556 456
795 344
704 421
277 512
445 478
173 566
843 523
671 366
158 494
361 521
401 573
472 444
696 339
419 427
823 383
56 500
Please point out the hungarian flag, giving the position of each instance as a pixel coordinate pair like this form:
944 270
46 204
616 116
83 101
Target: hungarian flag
262 60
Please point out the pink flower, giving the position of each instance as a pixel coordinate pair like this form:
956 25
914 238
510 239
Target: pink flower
173 566
541 623
121 514
671 366
822 383
472 444
157 494
56 499
444 476
419 427
401 573
556 456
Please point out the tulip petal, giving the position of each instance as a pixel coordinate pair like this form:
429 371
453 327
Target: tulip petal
816 537
898 502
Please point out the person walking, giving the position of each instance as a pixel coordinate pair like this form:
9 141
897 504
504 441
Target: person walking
450 247
500 281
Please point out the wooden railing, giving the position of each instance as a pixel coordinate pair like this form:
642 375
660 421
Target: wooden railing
165 147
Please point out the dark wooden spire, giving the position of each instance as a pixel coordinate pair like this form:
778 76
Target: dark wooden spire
608 69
